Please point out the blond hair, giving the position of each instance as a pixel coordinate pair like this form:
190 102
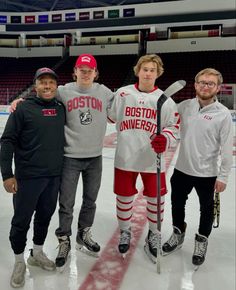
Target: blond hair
149 58
210 71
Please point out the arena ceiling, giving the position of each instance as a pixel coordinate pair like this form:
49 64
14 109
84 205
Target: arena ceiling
52 5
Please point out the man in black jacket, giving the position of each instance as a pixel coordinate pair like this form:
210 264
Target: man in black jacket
34 135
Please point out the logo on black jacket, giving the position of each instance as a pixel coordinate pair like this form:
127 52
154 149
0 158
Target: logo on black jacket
49 112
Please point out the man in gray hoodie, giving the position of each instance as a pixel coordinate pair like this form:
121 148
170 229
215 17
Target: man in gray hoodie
86 104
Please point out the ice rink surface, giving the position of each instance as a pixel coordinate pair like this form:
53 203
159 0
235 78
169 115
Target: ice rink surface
136 272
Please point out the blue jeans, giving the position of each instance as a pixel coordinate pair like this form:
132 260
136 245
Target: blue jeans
91 170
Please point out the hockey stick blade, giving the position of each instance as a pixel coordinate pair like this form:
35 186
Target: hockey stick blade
170 91
174 88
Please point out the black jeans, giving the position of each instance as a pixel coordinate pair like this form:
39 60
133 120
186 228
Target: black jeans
181 185
37 195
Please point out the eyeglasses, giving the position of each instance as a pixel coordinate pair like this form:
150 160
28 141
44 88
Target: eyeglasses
210 85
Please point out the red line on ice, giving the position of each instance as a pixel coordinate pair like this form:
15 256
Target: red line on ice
109 270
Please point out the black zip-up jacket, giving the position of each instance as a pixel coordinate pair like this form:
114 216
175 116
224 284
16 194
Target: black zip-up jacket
34 134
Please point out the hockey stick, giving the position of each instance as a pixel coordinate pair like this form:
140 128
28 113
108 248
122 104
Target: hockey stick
216 220
170 91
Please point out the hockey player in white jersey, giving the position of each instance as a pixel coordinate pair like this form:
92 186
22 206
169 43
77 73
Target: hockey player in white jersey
206 134
135 114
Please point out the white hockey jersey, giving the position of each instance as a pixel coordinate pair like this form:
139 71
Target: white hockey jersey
135 115
206 133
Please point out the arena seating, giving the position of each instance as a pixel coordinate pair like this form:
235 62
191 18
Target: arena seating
185 65
114 71
16 75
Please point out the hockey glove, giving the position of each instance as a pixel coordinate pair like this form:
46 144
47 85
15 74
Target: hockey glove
158 143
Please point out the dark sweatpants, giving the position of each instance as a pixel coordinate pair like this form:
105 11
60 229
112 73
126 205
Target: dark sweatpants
37 195
181 185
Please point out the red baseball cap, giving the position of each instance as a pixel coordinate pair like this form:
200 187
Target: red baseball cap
86 59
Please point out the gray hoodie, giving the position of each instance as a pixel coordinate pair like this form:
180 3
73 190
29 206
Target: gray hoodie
86 118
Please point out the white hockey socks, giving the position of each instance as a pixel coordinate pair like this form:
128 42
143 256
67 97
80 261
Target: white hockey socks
152 212
124 210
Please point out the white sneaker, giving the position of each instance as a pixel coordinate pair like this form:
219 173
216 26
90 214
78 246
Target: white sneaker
41 260
18 275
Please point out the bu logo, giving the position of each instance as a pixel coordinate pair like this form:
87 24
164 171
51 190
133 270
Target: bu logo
85 117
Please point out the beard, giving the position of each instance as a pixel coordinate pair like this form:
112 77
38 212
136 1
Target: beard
205 96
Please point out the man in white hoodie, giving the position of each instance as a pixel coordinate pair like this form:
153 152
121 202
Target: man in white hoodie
206 133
